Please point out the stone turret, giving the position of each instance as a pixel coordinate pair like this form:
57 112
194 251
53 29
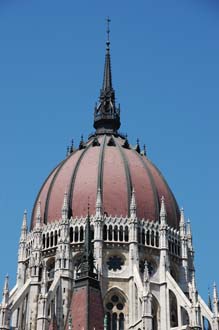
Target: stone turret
4 308
184 253
22 252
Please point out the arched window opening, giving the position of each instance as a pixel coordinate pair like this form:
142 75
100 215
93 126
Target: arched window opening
139 236
157 239
108 321
110 233
121 321
173 310
143 236
178 249
155 314
148 237
171 247
152 238
105 232
56 238
184 316
47 241
206 324
51 239
50 267
71 234
44 241
115 311
114 321
81 234
175 247
115 233
92 232
76 234
121 233
126 234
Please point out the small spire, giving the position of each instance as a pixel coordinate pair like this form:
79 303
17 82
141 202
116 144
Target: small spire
189 232
133 205
209 300
86 267
24 223
163 212
182 223
144 151
146 279
65 206
137 148
24 227
81 144
38 214
72 146
99 203
215 300
146 271
215 294
6 290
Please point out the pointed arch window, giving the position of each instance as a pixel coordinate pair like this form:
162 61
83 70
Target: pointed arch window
115 308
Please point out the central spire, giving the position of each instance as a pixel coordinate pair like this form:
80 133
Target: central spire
106 114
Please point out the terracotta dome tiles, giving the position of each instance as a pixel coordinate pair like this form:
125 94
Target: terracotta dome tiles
116 170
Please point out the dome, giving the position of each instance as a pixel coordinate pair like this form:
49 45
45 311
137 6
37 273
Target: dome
108 162
111 164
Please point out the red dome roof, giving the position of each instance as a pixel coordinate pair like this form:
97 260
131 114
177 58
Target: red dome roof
114 167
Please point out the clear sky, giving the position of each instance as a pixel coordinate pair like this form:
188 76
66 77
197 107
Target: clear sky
165 62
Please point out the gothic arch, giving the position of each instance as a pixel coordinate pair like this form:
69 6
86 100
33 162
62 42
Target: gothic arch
116 309
155 313
184 316
173 310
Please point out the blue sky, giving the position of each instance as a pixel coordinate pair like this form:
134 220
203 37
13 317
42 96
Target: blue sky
165 73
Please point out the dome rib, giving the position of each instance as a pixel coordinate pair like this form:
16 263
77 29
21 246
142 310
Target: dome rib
45 217
127 173
101 166
173 205
155 192
41 190
72 181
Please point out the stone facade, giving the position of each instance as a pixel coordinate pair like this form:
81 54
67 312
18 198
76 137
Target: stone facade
146 273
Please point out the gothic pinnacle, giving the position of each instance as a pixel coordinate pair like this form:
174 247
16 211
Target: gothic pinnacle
65 206
38 214
163 212
133 205
6 290
98 203
182 223
24 227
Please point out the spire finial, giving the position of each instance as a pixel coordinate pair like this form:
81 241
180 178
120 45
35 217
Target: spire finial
108 20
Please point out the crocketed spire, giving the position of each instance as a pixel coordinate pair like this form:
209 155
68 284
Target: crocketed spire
106 114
